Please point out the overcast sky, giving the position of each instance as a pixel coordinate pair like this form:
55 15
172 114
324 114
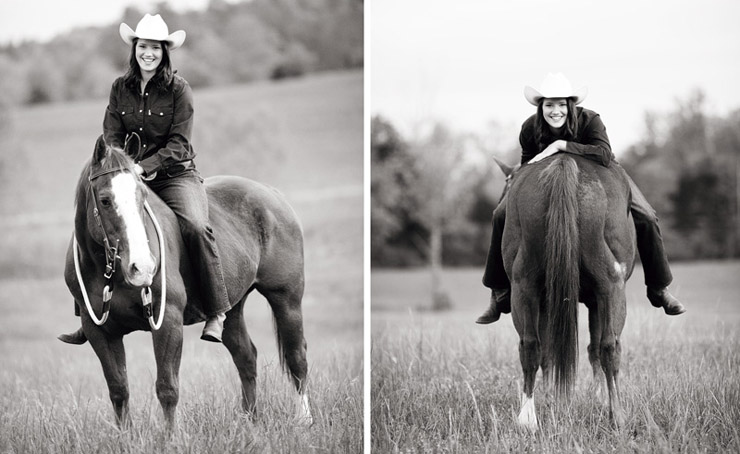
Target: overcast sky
42 19
467 61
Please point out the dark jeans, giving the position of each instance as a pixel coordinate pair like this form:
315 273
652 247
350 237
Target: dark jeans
649 244
186 195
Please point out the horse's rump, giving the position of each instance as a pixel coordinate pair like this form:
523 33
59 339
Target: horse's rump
568 236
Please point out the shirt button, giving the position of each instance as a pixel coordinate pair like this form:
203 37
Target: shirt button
144 145
141 129
161 114
123 113
146 94
140 111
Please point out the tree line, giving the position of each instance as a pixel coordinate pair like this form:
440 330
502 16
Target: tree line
433 194
226 43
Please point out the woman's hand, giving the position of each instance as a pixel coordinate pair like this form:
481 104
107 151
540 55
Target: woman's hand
138 169
555 147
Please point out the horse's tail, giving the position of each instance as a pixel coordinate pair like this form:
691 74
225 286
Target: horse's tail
560 181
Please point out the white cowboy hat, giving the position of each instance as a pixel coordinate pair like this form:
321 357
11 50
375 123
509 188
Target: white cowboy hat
154 28
555 86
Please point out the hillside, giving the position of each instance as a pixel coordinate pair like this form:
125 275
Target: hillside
303 136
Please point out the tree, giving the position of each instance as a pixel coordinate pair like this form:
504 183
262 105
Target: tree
688 167
440 192
391 176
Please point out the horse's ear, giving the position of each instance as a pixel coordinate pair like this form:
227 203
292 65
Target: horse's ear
132 145
504 168
101 150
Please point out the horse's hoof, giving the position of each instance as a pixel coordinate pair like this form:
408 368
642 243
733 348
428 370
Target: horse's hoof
527 417
303 412
304 421
529 424
618 419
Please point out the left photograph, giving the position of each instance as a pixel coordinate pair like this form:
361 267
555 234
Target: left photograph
182 208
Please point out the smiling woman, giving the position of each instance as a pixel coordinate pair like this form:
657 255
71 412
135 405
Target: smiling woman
555 112
560 126
148 55
157 105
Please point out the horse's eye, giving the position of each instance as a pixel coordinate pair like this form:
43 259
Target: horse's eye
106 202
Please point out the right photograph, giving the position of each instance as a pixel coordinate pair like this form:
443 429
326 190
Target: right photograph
555 227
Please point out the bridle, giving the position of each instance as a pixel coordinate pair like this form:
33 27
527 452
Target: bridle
111 252
111 256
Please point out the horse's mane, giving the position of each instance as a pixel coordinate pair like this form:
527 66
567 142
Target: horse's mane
115 158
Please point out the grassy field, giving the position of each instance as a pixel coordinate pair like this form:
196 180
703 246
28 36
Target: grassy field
441 383
302 136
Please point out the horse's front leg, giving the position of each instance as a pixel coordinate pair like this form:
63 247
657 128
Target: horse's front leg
168 352
112 357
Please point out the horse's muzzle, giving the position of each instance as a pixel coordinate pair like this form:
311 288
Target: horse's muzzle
140 273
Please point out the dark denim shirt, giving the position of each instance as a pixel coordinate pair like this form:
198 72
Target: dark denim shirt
163 120
591 141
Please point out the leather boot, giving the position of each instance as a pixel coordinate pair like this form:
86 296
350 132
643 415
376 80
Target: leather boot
500 303
76 338
669 303
214 328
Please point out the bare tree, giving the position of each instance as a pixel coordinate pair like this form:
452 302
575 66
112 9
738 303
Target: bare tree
441 196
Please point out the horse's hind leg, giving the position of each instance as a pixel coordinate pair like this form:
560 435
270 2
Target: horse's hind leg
112 357
244 353
286 308
594 349
525 314
545 365
612 318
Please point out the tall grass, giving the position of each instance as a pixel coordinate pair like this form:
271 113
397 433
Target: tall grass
440 383
54 414
53 397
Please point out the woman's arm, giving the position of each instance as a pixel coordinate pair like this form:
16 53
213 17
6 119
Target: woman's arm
114 131
595 143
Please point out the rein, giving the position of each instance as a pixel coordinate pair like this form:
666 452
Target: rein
111 255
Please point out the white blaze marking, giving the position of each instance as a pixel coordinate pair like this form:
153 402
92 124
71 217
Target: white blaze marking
527 417
123 187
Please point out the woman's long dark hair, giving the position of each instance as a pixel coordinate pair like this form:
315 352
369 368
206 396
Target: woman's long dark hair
162 77
544 135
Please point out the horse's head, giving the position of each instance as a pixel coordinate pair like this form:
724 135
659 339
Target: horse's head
117 202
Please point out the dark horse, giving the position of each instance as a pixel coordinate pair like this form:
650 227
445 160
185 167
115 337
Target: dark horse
261 246
568 237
